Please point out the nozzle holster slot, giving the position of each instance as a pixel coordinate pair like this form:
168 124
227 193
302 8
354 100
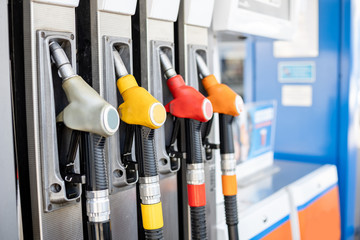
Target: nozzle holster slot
60 165
158 88
195 80
208 129
122 167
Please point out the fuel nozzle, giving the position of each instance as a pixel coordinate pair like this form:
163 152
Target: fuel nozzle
202 67
120 68
167 66
222 97
187 102
87 110
139 106
61 60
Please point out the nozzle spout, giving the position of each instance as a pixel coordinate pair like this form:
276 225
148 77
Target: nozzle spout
202 67
61 60
167 66
120 68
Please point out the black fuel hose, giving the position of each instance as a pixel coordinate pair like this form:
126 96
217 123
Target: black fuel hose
96 174
156 234
147 167
96 180
231 217
193 146
147 161
194 156
198 223
227 147
226 134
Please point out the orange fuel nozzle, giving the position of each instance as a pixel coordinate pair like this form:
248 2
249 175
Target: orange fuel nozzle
222 97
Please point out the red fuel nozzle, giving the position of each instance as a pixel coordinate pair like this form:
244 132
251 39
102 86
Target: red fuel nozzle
187 102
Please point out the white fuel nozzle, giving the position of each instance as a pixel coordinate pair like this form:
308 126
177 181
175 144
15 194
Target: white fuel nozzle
87 110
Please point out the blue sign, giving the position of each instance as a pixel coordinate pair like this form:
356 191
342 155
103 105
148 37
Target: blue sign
296 72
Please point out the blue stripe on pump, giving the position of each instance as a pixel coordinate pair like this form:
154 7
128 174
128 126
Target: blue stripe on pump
271 228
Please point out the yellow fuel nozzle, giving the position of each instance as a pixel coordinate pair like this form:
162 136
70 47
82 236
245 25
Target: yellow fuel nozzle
139 106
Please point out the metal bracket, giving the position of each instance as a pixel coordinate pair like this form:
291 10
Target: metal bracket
159 89
54 190
121 174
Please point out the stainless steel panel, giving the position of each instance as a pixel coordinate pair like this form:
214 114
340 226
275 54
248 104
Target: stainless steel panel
123 214
191 40
109 30
169 199
153 35
65 223
167 167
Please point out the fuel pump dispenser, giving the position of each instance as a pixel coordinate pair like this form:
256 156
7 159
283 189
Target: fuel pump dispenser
55 178
105 32
153 30
145 113
228 104
89 113
193 39
191 105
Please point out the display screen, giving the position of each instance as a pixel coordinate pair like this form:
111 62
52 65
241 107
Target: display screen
232 57
274 8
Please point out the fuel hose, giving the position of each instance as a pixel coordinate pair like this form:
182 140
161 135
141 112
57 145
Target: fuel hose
97 189
151 208
195 179
228 177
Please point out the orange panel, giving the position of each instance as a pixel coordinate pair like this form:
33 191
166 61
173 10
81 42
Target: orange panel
321 219
283 232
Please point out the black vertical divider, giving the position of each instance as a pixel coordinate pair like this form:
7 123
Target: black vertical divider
84 69
181 144
135 28
16 41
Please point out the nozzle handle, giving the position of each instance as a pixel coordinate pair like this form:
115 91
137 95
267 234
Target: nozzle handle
87 110
139 106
